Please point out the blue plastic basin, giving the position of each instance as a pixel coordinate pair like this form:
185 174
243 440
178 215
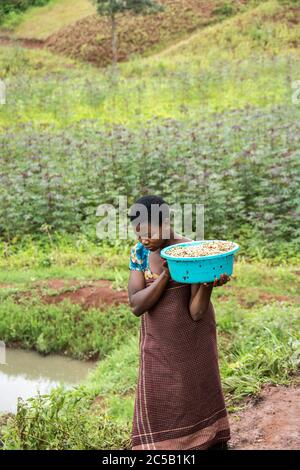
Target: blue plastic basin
191 270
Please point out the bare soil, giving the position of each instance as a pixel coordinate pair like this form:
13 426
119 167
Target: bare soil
89 294
270 423
27 43
95 295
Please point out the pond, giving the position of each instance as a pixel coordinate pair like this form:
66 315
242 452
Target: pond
27 372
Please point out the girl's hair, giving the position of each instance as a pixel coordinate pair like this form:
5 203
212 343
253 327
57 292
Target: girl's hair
147 202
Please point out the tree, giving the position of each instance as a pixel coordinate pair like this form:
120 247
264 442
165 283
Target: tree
110 8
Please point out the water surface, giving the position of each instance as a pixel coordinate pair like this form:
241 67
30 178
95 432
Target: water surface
27 372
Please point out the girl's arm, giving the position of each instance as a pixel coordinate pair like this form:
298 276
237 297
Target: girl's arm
200 296
142 298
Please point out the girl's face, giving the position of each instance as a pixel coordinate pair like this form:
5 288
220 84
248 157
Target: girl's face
150 236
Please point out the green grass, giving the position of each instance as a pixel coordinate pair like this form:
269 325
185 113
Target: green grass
34 63
265 278
63 421
60 97
265 347
64 257
41 22
64 328
27 261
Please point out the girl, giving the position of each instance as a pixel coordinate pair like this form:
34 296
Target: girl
179 403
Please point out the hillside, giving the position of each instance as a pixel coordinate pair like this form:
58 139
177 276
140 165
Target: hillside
251 59
41 22
73 28
272 27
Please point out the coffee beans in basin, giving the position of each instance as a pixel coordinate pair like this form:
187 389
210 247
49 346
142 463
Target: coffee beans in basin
203 249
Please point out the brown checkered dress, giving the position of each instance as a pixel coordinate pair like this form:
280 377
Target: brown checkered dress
179 403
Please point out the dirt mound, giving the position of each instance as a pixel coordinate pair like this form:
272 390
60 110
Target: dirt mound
89 39
272 423
95 295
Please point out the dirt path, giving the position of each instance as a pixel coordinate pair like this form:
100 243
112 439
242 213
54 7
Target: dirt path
27 43
272 423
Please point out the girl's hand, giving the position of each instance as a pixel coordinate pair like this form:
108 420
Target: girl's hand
224 278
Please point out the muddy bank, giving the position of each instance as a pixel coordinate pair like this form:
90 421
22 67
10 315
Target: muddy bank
273 422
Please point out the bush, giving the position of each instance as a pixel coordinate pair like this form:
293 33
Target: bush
225 9
243 165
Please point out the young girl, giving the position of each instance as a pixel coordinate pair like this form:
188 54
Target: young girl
179 403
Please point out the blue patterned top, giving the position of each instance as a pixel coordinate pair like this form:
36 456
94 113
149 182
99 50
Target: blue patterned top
139 260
